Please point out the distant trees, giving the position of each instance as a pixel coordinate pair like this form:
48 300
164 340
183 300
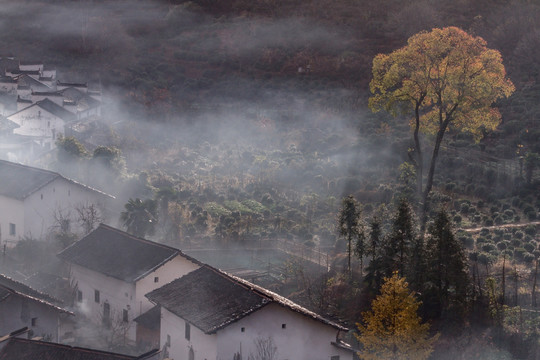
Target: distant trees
447 79
392 328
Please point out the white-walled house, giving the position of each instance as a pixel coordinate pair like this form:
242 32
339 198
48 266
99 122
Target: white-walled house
44 120
31 198
113 270
21 306
211 315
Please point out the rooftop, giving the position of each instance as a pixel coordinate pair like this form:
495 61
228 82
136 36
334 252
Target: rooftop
217 299
118 254
20 181
24 349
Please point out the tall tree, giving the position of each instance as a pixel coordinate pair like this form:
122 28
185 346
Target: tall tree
448 80
447 293
140 217
350 227
400 241
392 328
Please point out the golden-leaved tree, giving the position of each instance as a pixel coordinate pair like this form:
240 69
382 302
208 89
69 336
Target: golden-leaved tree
448 80
392 329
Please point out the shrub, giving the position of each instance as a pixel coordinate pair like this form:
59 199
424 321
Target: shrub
488 222
502 246
530 230
457 219
518 234
488 247
529 247
528 258
516 242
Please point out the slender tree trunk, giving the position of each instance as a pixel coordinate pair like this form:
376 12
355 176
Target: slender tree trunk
503 279
419 155
431 173
534 285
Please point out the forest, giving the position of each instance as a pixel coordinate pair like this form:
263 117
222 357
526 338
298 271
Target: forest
229 124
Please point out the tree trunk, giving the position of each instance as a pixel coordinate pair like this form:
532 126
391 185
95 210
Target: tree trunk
534 285
419 156
431 173
503 279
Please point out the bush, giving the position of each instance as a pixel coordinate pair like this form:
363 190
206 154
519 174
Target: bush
502 246
529 247
488 247
528 258
530 230
518 235
457 219
519 253
488 222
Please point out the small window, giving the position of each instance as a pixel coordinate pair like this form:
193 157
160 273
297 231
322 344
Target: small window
79 295
168 340
156 279
283 326
127 295
96 296
48 124
12 229
188 331
125 315
243 329
335 357
34 321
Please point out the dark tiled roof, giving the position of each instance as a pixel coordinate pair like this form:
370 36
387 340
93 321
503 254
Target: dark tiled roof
26 81
80 85
24 349
6 124
150 319
9 287
19 181
211 299
79 97
118 254
55 109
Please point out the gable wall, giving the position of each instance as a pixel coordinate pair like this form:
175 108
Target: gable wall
204 346
59 195
35 121
302 338
14 317
173 269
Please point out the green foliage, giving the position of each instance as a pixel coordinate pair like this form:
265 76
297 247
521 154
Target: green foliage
350 227
140 217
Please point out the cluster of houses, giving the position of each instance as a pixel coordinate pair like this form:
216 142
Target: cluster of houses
151 296
36 108
142 294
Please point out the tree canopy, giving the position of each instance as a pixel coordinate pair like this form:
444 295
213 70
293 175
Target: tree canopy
448 80
393 329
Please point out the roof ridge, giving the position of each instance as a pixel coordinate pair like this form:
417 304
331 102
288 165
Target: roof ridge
150 242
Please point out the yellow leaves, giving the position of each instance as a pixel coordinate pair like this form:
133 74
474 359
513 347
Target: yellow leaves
392 329
442 70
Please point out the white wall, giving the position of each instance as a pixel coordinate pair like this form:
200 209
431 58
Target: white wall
12 317
119 294
59 195
204 346
173 269
12 211
302 338
35 121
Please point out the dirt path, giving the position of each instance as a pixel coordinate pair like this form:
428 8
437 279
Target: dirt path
477 229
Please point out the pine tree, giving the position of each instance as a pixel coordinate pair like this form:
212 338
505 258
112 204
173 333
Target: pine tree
448 281
350 227
392 328
398 245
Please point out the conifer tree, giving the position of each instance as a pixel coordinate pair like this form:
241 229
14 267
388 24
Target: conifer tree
392 328
350 227
448 281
